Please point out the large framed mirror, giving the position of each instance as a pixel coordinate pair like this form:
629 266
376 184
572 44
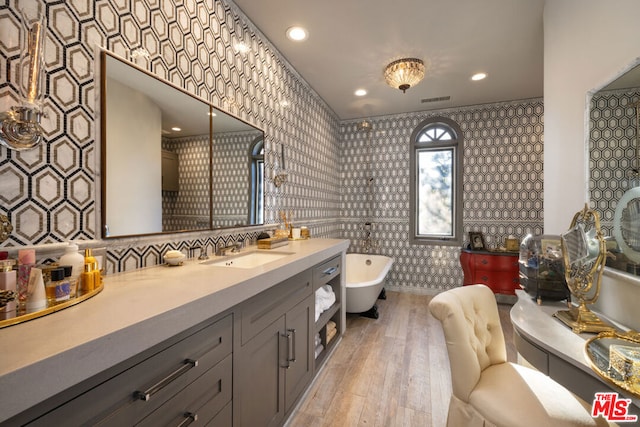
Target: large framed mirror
614 167
171 162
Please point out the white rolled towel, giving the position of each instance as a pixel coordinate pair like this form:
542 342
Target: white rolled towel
325 297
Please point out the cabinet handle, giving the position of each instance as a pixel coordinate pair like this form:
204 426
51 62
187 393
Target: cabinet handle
290 335
146 395
188 419
292 348
484 261
329 271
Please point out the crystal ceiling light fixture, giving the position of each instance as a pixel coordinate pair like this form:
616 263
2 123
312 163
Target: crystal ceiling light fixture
20 126
404 73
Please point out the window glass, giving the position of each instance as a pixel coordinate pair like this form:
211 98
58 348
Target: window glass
436 183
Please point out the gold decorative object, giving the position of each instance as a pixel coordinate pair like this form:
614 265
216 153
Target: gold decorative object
5 228
584 253
615 357
23 316
404 73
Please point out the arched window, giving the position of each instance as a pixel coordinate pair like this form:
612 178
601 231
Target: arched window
256 187
436 183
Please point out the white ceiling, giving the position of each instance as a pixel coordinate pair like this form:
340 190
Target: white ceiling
351 41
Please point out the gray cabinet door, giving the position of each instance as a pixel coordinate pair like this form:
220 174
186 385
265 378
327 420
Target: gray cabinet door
300 370
260 398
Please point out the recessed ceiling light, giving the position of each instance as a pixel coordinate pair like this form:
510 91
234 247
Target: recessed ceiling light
297 33
479 76
360 92
176 129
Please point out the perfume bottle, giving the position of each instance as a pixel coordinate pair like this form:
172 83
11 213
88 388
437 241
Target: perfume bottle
57 288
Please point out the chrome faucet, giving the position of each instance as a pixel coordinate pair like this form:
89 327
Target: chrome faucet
203 252
235 247
368 243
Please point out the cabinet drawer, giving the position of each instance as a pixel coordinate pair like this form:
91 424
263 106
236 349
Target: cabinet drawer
496 262
326 271
118 401
199 402
223 419
499 281
537 357
266 307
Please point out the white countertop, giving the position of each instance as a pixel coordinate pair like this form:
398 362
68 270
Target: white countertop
135 311
536 324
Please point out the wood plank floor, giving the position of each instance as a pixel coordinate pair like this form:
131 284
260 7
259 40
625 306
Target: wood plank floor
392 371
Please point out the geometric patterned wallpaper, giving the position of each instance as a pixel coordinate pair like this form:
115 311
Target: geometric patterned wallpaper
502 179
612 150
612 158
231 174
188 208
51 194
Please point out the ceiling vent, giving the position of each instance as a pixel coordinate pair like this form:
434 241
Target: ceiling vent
436 99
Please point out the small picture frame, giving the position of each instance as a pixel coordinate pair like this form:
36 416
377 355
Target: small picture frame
476 240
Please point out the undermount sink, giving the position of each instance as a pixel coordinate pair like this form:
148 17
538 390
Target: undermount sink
250 260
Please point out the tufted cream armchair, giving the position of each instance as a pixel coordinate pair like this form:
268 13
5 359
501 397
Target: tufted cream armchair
488 390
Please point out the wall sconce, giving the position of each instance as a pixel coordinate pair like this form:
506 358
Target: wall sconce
20 126
279 175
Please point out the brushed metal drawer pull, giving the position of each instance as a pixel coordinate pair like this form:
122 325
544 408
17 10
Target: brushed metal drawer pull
329 271
189 418
146 395
292 347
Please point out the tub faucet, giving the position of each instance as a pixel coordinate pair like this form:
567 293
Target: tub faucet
368 244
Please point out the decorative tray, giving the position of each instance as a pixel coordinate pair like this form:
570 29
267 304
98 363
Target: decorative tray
615 357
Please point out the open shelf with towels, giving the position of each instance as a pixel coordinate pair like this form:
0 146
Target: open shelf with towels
327 285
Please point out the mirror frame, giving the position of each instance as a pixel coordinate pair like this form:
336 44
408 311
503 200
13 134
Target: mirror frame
104 54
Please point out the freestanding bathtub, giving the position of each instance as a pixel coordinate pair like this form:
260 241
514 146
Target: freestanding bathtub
365 279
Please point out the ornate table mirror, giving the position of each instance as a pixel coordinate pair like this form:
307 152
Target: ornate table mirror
584 253
615 356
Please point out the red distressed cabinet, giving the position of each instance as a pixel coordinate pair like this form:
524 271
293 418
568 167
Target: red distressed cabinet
498 270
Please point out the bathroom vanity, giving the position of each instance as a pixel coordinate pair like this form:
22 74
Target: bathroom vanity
218 344
551 347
